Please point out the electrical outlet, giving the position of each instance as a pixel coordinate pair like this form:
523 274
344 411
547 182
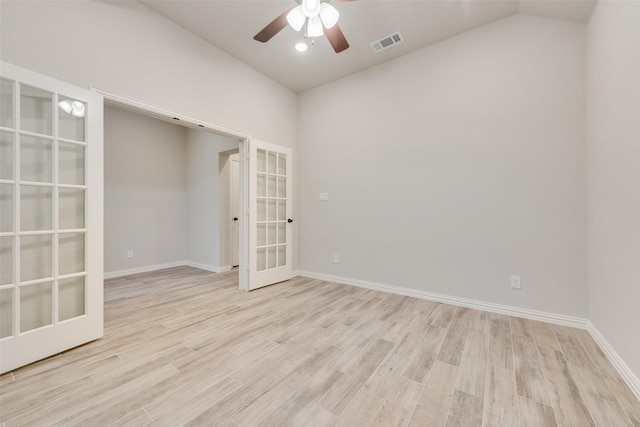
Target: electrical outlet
336 259
515 282
129 253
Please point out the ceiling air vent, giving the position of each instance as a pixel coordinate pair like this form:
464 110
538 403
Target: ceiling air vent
386 42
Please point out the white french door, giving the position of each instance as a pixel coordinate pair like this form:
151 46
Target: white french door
51 271
270 207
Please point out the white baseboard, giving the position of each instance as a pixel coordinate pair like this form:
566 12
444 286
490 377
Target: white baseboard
145 269
623 369
543 316
149 268
207 267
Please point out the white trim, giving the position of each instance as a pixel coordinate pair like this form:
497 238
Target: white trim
145 269
184 119
243 138
208 267
623 369
149 268
543 316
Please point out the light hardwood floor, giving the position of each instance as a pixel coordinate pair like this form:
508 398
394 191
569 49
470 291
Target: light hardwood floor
184 347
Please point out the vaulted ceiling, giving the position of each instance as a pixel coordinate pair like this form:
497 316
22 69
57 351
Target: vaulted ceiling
231 25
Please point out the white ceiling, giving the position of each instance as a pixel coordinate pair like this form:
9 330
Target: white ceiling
231 25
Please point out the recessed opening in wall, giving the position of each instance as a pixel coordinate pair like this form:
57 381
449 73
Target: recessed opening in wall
167 193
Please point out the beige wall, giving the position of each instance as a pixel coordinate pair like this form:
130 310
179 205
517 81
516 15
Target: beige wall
613 140
452 168
145 191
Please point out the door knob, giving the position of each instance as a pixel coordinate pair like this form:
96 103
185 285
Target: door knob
235 218
289 220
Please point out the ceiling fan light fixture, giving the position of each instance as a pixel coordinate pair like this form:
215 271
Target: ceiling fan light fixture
329 15
301 47
296 18
314 27
315 16
311 8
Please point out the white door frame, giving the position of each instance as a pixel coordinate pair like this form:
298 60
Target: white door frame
234 211
243 193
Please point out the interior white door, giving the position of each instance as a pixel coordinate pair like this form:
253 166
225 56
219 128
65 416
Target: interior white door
51 269
270 208
235 211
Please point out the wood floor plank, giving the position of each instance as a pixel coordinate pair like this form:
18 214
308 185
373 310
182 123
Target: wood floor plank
465 410
266 403
381 381
20 395
133 419
6 379
399 405
500 398
473 365
533 414
358 346
435 400
425 354
108 401
340 394
568 405
530 379
585 373
454 341
312 416
361 410
544 335
443 315
183 406
607 412
520 326
627 400
298 409
233 403
500 347
184 346
22 413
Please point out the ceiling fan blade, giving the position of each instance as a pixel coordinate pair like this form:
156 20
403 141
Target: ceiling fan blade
273 27
336 38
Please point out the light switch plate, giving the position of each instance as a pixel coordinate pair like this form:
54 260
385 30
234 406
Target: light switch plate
324 197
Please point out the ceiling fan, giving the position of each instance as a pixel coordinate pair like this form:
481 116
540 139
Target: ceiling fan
317 16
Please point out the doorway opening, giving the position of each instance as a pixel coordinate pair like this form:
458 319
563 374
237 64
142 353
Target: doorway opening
208 198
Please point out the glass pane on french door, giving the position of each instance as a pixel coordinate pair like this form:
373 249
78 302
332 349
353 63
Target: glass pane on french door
271 225
43 210
43 207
